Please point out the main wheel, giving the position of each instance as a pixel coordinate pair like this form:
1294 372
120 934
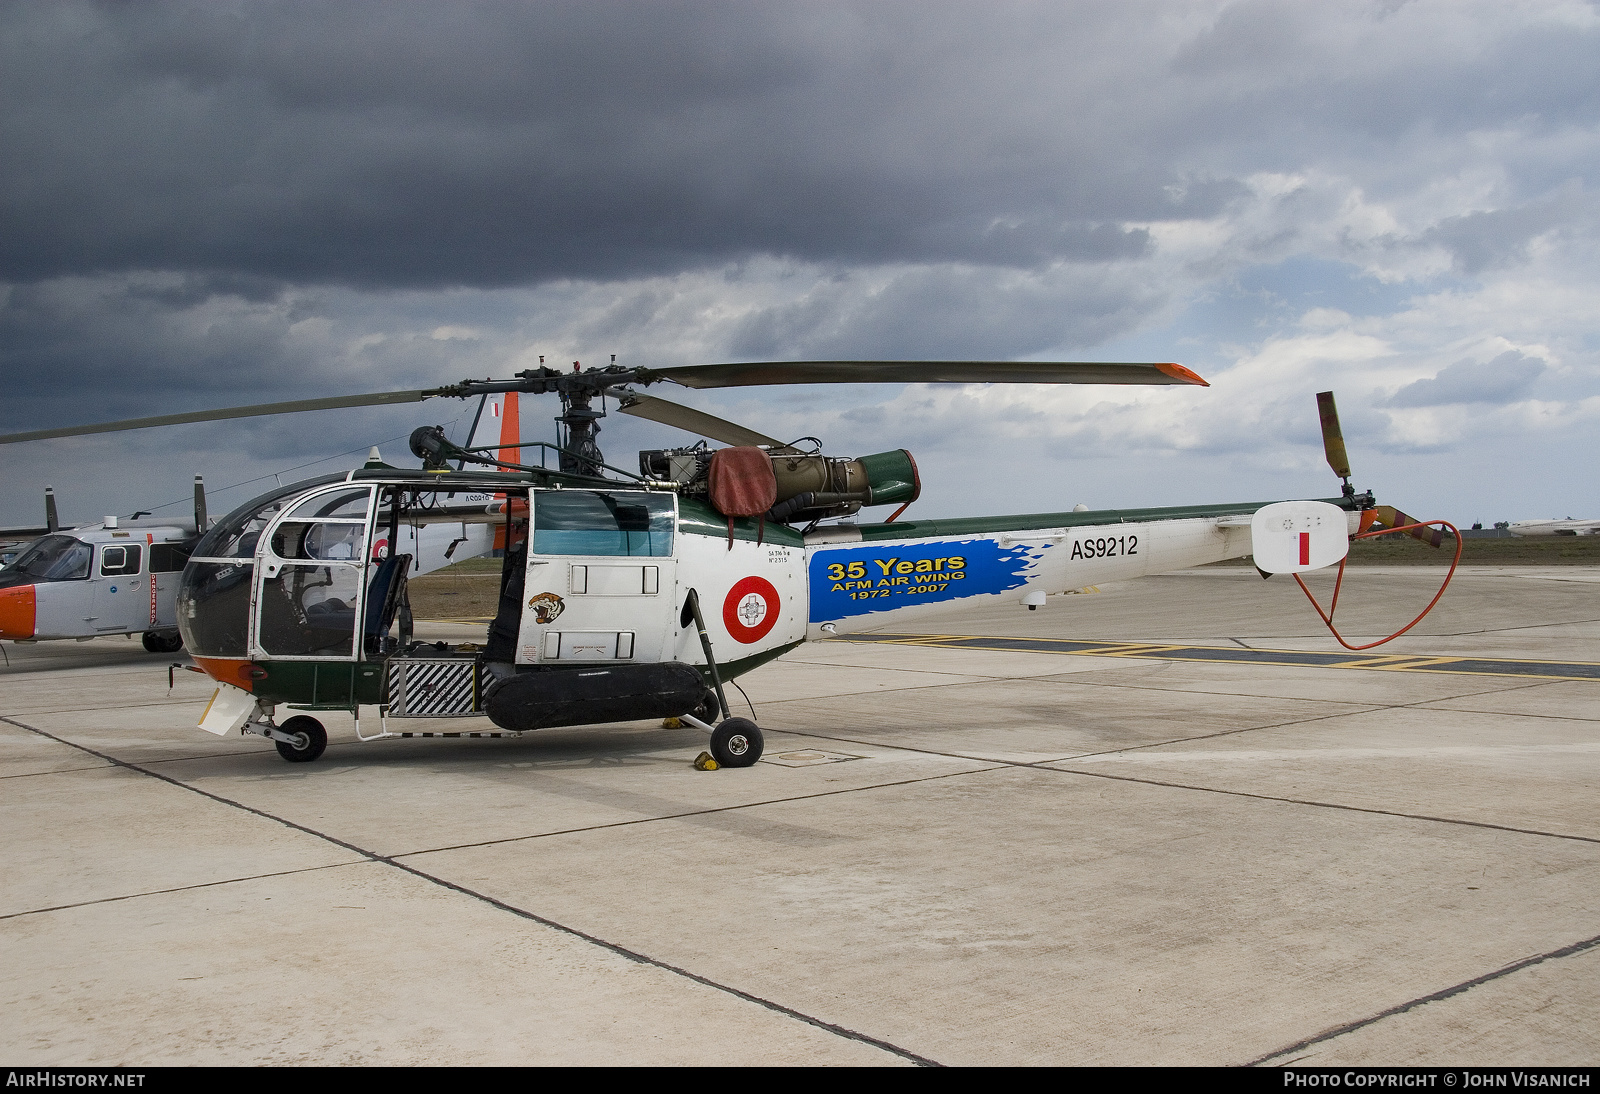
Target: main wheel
311 739
737 743
162 641
709 709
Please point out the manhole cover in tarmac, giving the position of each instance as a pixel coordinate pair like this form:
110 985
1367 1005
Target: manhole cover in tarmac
805 757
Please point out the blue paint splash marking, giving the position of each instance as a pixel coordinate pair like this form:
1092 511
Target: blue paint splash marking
861 579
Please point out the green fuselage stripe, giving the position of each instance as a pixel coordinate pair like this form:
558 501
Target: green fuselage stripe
970 526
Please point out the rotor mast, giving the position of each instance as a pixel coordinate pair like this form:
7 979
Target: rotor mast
579 426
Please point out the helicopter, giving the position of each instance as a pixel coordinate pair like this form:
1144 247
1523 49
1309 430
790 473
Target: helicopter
627 596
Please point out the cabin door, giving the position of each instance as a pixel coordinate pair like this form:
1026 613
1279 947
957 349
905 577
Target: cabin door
601 578
309 577
121 590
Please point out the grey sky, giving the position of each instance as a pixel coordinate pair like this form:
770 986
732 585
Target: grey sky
211 203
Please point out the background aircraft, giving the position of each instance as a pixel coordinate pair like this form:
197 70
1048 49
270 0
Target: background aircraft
1567 527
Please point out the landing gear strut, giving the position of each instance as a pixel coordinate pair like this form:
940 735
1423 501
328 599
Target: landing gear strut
735 742
300 740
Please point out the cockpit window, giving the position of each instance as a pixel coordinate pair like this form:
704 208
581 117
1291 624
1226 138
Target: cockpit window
321 542
594 522
342 504
55 558
236 535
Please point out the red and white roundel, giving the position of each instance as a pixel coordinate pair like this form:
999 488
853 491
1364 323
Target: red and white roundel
751 609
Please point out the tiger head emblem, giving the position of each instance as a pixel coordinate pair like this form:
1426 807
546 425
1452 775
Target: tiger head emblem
546 606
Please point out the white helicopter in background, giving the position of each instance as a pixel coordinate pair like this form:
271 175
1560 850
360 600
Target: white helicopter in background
120 575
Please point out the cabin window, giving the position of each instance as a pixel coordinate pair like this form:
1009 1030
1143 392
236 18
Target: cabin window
167 558
121 560
595 522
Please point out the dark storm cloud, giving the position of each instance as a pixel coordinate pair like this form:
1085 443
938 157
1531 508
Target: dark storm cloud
1287 81
490 144
388 144
949 312
94 349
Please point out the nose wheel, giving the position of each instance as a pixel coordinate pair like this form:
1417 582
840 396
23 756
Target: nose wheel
306 740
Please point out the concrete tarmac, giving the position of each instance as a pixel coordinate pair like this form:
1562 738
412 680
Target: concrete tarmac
960 856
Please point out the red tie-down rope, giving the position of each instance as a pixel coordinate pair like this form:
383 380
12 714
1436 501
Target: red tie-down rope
1327 617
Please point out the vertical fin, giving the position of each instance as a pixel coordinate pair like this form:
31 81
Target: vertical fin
510 429
200 519
510 436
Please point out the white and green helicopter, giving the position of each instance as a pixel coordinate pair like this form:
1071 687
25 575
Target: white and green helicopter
628 596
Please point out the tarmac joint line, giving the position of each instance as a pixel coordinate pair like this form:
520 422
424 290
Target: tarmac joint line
521 913
1472 666
1434 997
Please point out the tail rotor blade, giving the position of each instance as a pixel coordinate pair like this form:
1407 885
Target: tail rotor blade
1390 517
1332 435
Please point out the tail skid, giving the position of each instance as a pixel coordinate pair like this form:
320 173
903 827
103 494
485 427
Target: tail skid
1409 529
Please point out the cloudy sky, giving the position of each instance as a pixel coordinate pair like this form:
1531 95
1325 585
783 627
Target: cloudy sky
206 203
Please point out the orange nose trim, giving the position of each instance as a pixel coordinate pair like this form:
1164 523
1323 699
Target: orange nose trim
17 611
228 670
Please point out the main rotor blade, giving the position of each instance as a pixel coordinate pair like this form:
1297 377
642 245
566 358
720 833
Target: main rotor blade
1332 435
381 398
668 412
759 373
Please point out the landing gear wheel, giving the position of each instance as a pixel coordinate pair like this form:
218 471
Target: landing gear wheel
737 743
159 642
308 730
709 709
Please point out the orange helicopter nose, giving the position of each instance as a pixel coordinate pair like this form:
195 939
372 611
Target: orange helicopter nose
17 612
